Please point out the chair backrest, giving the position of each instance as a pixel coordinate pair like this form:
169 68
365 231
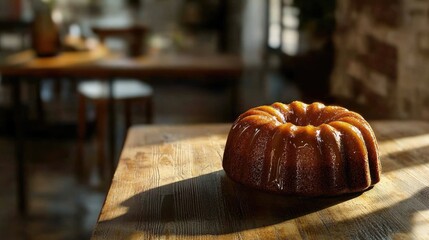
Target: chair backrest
133 35
14 35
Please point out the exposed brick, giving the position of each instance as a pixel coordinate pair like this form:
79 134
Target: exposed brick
373 75
386 12
422 41
425 100
417 12
376 106
359 5
382 57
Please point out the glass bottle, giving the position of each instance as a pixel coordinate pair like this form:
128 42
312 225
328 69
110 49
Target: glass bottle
45 33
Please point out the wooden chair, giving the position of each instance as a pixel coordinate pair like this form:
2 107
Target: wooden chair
127 91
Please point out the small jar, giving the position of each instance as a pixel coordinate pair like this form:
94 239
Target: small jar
45 33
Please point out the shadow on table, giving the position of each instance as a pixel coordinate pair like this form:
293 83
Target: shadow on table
405 159
394 222
397 129
209 204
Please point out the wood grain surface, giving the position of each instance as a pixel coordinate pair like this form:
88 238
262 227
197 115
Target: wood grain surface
169 184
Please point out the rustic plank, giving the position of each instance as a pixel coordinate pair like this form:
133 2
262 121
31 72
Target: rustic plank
169 184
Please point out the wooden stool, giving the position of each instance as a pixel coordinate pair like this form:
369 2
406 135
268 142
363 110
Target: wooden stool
128 91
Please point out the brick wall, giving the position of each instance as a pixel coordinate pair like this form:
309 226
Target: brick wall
382 59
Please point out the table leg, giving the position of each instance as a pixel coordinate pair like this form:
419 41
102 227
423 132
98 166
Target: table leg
112 129
235 99
19 147
81 132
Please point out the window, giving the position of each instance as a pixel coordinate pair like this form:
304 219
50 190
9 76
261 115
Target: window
283 23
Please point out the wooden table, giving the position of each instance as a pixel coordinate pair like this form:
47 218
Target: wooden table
100 63
169 184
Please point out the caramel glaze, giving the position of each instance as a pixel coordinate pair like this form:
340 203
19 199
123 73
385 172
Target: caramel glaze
300 149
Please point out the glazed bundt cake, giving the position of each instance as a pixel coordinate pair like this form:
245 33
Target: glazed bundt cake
300 149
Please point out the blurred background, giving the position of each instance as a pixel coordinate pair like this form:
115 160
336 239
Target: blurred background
369 56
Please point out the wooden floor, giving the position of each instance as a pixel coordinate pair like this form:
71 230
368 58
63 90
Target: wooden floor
60 208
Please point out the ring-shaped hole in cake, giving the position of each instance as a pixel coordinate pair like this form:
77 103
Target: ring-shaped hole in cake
315 114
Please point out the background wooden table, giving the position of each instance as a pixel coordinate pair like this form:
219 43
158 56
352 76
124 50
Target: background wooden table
170 184
100 63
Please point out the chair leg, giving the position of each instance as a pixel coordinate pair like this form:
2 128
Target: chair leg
101 108
39 102
149 110
81 131
127 113
57 89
